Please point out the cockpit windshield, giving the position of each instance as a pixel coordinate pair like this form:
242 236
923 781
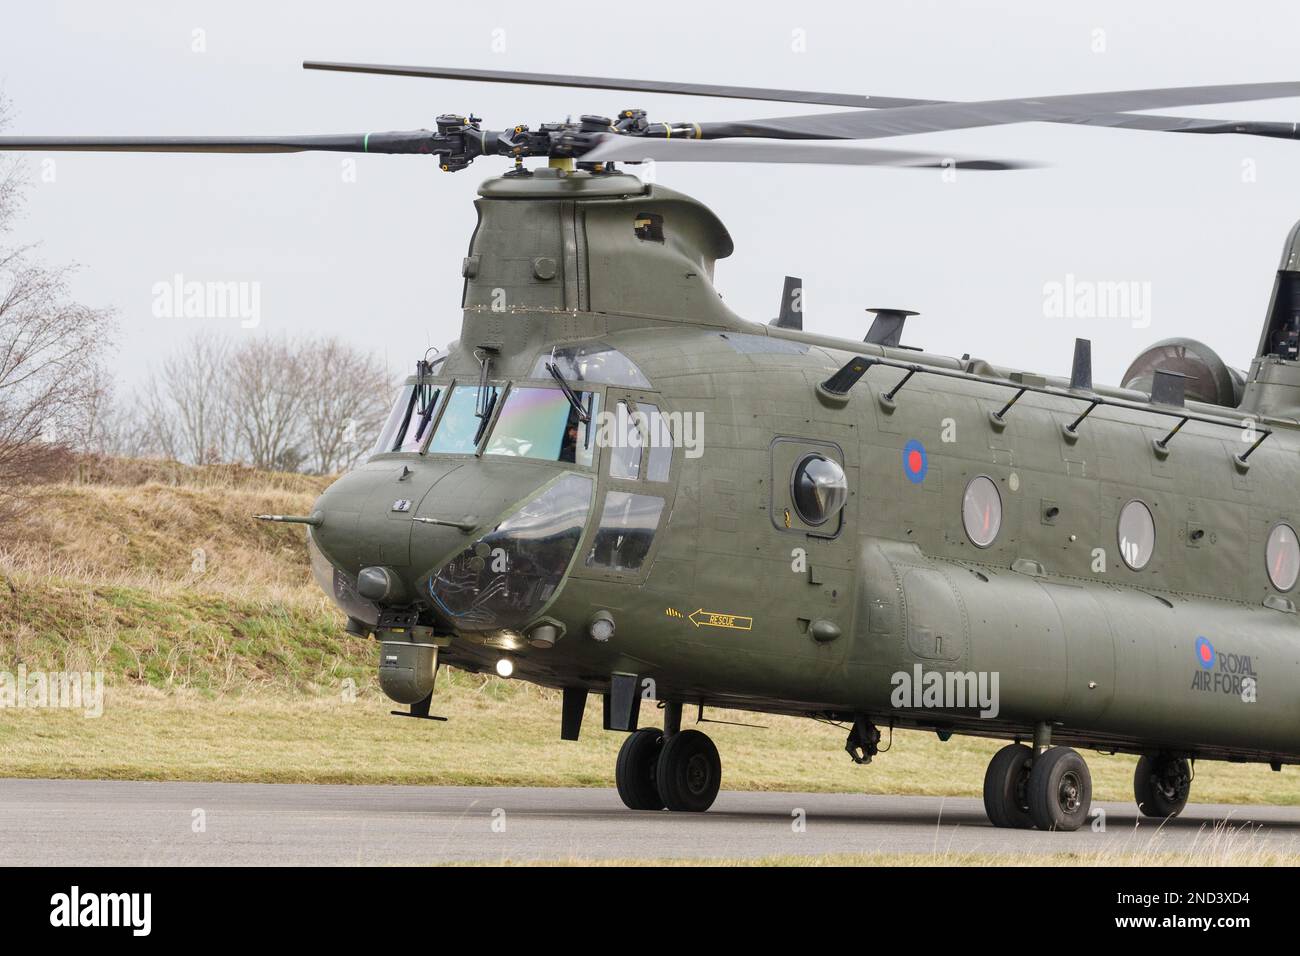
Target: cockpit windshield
543 423
462 425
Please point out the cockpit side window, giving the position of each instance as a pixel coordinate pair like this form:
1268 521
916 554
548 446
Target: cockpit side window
412 416
639 447
627 529
625 440
419 417
640 442
660 440
388 437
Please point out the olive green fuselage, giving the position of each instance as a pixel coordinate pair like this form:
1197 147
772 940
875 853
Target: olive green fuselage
738 602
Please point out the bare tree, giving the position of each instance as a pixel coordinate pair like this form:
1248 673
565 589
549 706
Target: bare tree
346 397
186 405
51 355
266 386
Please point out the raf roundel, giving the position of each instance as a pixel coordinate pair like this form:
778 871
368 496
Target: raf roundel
1204 653
915 462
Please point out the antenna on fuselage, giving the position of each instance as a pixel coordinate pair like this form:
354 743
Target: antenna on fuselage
790 315
1081 370
887 329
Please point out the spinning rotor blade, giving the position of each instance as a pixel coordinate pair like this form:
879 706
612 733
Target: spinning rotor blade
1089 109
413 141
637 148
934 118
631 86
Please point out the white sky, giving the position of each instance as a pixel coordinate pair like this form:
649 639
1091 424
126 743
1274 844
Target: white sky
377 260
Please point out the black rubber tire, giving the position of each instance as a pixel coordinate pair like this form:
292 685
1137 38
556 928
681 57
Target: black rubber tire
636 768
689 772
1161 786
1060 790
1006 784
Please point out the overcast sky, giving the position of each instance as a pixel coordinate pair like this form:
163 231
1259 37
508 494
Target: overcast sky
377 260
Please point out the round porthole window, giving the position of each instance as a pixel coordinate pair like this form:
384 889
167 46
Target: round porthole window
1283 554
1137 535
819 489
981 511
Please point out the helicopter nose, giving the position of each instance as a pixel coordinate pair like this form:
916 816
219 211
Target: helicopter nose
366 514
390 523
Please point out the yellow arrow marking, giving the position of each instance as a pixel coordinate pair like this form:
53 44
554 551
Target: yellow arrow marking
737 622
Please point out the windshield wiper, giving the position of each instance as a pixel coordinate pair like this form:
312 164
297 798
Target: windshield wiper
581 412
426 415
485 416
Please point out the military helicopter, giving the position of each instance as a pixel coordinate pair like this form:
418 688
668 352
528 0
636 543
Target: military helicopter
613 484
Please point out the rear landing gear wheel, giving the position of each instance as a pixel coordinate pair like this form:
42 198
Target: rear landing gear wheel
1006 783
634 773
1060 790
1161 785
689 772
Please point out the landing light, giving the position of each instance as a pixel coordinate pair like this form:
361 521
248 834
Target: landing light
505 667
601 626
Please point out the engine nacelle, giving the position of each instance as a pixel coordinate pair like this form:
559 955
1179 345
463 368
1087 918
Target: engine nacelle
1209 380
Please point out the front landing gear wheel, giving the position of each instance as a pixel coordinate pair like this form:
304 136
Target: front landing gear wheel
689 772
1060 790
634 773
1006 783
1161 785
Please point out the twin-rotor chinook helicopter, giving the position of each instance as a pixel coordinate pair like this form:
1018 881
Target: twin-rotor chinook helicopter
611 483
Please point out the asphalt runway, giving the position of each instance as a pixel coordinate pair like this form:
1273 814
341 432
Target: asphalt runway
90 822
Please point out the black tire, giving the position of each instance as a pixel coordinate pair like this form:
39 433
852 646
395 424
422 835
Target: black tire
634 772
1161 786
1060 790
689 772
1006 785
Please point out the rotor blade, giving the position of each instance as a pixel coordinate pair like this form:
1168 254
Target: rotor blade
906 120
1189 124
1173 124
412 141
633 149
631 86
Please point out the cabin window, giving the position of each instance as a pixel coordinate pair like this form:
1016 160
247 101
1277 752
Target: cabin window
1283 552
818 489
627 529
1137 535
981 511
